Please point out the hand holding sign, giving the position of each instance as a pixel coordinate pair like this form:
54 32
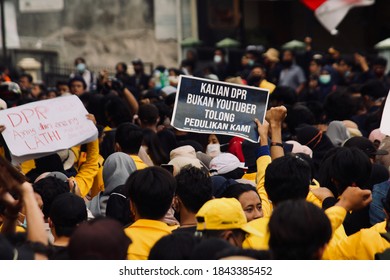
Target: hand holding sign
206 106
44 127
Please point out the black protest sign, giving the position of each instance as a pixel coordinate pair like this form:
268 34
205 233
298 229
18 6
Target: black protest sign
207 106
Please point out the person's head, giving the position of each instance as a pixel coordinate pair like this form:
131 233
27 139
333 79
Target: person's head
379 66
256 75
228 166
287 177
366 146
66 212
80 65
151 192
178 246
194 188
315 67
219 55
62 87
148 115
116 111
99 239
339 105
49 188
224 218
128 138
77 85
116 170
271 56
344 66
283 95
25 81
210 248
249 199
138 66
121 68
288 58
344 167
299 230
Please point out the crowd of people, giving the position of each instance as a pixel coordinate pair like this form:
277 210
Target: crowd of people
316 186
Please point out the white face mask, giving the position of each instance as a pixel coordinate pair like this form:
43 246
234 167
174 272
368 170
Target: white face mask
81 67
217 58
213 150
324 79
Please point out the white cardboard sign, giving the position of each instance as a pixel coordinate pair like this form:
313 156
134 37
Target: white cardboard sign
39 128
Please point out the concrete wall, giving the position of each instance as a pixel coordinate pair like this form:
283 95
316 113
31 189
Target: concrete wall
102 31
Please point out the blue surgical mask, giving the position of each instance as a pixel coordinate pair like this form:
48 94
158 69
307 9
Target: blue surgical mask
324 79
251 62
80 67
347 73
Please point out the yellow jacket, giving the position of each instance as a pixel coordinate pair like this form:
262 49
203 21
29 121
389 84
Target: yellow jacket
88 170
262 163
144 234
363 245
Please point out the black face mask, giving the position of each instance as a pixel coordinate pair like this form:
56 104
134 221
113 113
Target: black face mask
287 63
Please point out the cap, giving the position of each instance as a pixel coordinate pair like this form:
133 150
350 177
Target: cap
68 210
376 135
223 214
298 148
272 54
183 151
365 145
225 163
58 175
67 157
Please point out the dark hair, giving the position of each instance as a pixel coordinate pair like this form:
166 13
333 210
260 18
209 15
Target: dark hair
151 190
66 212
380 61
123 64
287 177
343 167
148 114
77 79
155 150
250 253
236 190
129 137
78 60
297 115
99 239
339 105
49 188
28 76
178 246
194 187
283 95
116 111
298 229
209 249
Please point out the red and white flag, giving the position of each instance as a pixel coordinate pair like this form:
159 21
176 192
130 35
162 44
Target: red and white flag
331 12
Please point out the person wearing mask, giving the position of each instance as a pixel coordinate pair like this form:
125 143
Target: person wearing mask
292 75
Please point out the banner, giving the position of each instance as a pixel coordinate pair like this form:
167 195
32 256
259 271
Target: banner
385 122
44 127
207 106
